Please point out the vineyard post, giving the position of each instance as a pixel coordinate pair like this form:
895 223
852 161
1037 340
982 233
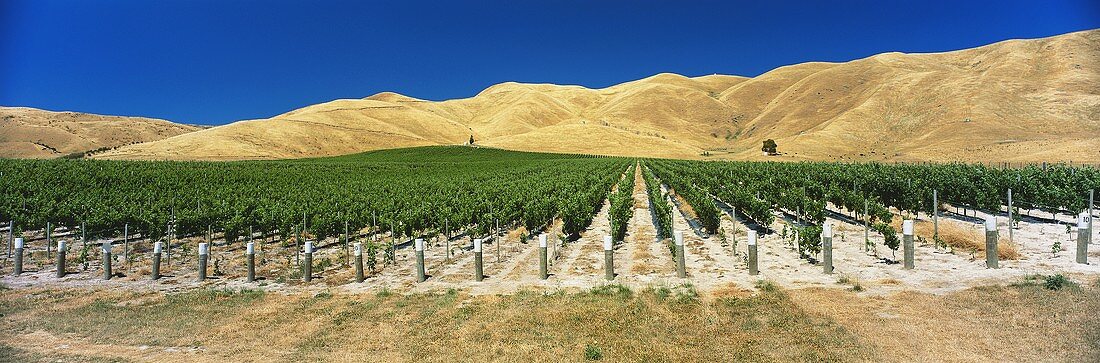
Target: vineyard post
753 266
307 265
936 216
1083 238
250 261
203 252
907 243
608 259
106 247
447 238
734 234
991 243
479 272
681 260
496 240
346 242
866 221
18 257
49 239
83 236
156 259
1092 201
11 227
827 247
297 245
60 259
168 246
1011 240
418 244
126 245
358 262
542 257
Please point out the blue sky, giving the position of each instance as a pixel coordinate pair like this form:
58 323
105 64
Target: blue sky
214 62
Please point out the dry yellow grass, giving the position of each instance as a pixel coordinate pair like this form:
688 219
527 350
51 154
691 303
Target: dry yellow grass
960 238
1018 100
33 133
656 324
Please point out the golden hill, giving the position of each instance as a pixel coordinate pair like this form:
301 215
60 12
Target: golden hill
33 133
1018 100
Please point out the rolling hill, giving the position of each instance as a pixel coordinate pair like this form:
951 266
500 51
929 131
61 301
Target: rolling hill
39 134
1017 100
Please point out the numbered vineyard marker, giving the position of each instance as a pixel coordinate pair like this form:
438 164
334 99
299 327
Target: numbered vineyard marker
1083 238
907 243
991 257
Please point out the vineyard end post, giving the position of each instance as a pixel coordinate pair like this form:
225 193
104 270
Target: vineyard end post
307 262
358 262
156 260
542 257
681 260
419 246
827 247
106 247
49 239
754 268
907 243
991 243
479 269
204 252
60 259
18 269
608 258
250 261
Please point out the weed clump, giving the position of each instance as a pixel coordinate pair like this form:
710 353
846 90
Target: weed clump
592 352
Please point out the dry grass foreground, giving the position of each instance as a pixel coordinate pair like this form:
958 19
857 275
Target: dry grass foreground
1017 100
1023 322
39 134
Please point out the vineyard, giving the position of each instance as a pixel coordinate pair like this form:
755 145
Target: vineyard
456 198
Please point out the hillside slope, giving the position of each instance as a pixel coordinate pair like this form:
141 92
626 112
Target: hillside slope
1018 100
33 133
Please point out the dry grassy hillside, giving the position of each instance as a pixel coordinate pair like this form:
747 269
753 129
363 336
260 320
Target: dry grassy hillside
1018 100
33 133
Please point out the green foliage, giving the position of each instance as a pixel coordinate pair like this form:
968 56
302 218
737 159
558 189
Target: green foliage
592 352
416 189
770 147
658 205
622 206
372 256
1057 282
